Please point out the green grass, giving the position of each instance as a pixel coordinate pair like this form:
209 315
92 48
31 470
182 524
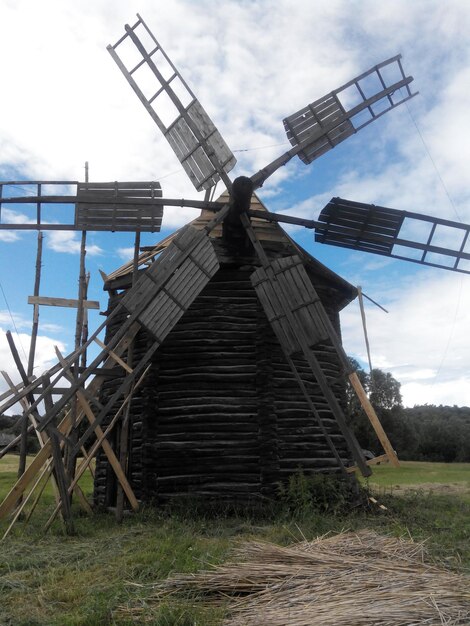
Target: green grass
90 578
420 473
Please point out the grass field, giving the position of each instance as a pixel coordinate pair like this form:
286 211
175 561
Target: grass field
97 576
437 478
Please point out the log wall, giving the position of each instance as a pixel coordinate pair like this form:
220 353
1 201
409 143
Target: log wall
220 413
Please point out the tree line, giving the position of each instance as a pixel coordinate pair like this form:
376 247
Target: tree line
422 433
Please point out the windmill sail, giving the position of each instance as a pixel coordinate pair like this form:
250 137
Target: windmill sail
175 109
322 125
399 234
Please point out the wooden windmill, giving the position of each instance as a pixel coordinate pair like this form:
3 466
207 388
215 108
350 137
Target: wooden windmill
234 255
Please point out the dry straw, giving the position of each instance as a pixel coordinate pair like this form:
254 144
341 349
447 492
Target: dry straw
342 580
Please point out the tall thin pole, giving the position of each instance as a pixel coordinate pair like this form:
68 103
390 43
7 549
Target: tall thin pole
124 435
82 290
32 351
364 326
37 283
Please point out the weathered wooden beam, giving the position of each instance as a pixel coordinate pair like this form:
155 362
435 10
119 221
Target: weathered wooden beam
374 420
64 302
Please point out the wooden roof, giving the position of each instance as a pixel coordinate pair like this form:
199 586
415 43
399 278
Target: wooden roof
271 234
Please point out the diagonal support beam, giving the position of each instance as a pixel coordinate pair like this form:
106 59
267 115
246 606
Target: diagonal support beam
303 342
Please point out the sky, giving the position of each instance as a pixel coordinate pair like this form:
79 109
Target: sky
251 63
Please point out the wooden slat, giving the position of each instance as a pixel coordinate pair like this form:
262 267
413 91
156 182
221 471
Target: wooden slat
65 302
148 186
125 209
169 305
114 356
303 301
160 311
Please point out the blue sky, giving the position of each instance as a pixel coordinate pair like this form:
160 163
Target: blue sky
251 63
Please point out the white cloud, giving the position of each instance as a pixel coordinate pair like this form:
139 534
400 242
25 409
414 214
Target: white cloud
8 236
69 242
11 317
125 253
44 357
423 340
250 70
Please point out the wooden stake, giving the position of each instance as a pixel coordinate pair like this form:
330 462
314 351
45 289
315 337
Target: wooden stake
46 470
96 445
106 445
61 478
43 455
24 426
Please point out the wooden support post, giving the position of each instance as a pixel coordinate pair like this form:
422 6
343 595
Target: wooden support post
32 350
99 442
46 471
24 426
70 455
61 478
84 337
25 406
35 327
124 434
106 447
59 472
364 325
374 420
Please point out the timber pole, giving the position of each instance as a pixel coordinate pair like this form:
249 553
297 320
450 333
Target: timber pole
124 434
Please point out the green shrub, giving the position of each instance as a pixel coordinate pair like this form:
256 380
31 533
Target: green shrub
320 493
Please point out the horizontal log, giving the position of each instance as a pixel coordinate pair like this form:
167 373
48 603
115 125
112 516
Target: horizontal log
63 302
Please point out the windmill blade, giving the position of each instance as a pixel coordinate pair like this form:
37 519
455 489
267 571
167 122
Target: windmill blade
95 206
188 129
187 265
325 123
100 206
399 234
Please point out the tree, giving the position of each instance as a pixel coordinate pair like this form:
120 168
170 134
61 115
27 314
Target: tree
384 390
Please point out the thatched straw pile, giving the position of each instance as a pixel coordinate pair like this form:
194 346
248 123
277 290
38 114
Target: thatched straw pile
343 580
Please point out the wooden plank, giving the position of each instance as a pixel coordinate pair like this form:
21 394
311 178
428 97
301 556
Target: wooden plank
47 469
132 189
113 355
180 289
302 123
374 420
44 454
61 479
88 411
85 464
375 461
65 302
304 303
